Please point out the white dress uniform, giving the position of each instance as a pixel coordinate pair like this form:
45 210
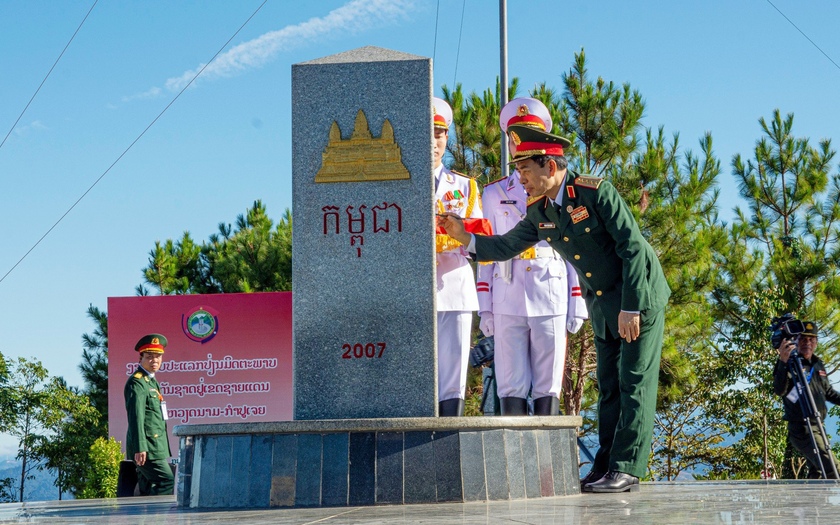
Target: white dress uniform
534 298
456 292
529 302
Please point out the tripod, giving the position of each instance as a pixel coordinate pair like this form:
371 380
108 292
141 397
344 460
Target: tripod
810 414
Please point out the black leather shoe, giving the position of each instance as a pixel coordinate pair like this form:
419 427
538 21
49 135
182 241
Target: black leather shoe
589 479
615 481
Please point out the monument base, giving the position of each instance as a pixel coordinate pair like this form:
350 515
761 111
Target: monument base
376 461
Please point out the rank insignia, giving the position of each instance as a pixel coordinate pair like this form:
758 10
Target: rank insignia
547 225
533 200
138 375
570 191
588 182
579 214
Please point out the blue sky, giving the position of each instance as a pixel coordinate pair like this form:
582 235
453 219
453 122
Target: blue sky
713 66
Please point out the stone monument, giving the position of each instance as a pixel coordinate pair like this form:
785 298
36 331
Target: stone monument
363 242
364 325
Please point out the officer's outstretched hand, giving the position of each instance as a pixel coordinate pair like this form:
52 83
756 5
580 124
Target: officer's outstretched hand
628 326
454 226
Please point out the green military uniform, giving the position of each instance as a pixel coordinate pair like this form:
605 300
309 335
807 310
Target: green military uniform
821 390
596 232
147 430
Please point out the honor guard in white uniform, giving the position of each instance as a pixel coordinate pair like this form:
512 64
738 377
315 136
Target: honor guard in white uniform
529 302
456 293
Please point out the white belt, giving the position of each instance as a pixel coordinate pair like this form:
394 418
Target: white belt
538 252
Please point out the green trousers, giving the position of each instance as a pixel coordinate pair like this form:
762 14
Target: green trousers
801 441
628 380
155 478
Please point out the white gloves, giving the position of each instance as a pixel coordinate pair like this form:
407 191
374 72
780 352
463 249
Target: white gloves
573 324
486 323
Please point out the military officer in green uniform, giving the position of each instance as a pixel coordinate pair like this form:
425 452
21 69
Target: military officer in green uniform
147 441
586 221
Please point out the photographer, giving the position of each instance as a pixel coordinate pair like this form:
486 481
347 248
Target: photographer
821 389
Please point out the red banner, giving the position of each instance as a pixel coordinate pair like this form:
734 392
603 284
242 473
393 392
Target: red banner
475 226
228 358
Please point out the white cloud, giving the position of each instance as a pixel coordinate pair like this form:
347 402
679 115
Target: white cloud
354 17
151 93
35 125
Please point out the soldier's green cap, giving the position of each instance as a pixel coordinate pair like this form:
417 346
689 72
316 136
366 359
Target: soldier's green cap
810 328
154 343
533 142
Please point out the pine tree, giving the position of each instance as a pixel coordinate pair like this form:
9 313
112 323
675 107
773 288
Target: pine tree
94 367
782 254
255 255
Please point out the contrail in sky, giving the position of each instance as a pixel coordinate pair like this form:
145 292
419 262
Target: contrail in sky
354 17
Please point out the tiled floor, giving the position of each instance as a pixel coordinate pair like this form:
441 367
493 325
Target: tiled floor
816 502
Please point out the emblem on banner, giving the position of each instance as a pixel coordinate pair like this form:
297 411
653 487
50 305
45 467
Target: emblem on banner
200 324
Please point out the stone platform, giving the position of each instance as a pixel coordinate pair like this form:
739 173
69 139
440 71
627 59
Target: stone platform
666 503
327 463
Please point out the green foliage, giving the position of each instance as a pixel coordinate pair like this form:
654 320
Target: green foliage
601 119
743 397
7 397
54 425
28 394
687 436
793 208
472 396
71 424
94 368
255 256
103 468
7 490
781 257
476 143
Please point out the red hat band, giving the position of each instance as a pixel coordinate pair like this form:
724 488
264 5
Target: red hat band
440 122
151 348
537 148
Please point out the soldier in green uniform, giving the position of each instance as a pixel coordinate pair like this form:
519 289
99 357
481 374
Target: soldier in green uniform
586 221
821 390
147 441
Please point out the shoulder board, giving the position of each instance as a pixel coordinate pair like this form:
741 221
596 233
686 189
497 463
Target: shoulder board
138 375
534 200
458 173
496 181
588 182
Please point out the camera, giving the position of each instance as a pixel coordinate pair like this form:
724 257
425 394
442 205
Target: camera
785 327
482 352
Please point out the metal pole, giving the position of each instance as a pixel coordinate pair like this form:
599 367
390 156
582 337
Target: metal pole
503 77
